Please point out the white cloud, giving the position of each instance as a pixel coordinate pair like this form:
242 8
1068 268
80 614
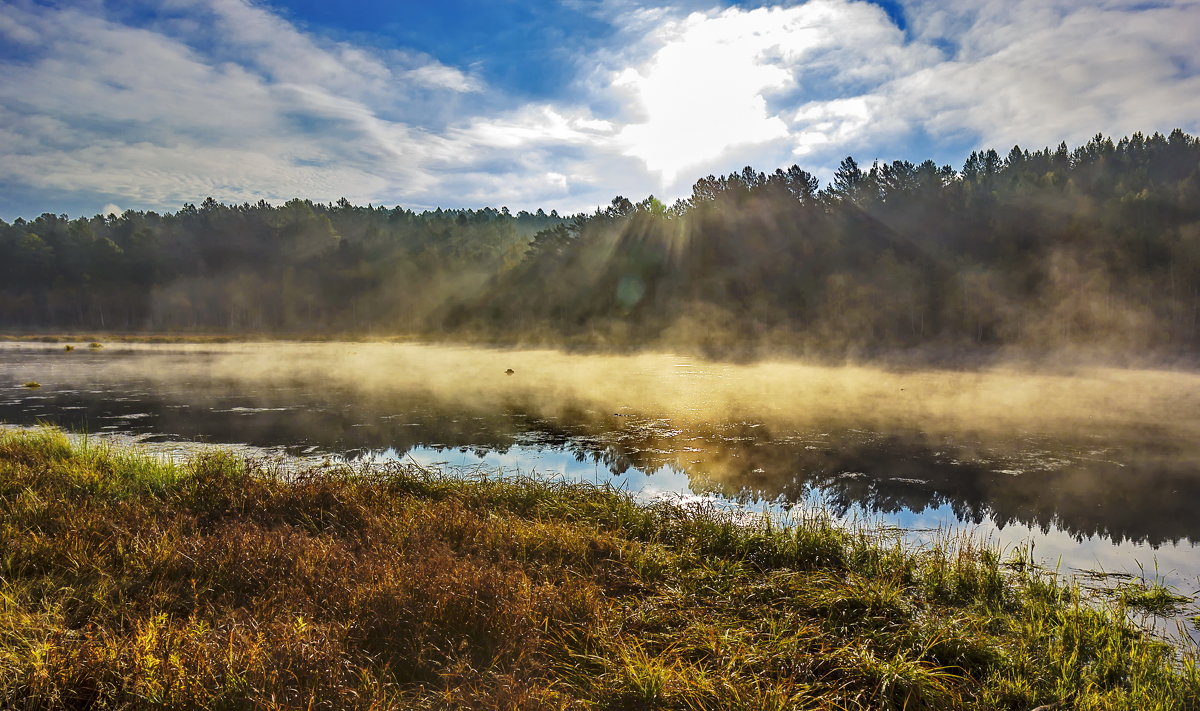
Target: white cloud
706 89
14 31
225 98
718 84
1040 72
534 124
439 76
832 123
143 116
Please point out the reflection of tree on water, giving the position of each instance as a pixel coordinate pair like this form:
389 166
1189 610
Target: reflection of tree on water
1075 486
1146 497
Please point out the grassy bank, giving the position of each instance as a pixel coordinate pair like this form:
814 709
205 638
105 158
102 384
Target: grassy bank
129 583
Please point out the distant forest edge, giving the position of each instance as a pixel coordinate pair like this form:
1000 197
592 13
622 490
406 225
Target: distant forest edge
1097 246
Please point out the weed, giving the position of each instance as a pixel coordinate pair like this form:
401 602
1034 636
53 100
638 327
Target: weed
1152 597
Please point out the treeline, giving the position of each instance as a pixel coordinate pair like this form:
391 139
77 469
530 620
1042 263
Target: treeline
300 267
1097 246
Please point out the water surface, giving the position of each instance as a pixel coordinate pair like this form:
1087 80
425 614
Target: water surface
1098 468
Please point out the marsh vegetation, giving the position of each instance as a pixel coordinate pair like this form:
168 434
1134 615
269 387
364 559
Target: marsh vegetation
129 581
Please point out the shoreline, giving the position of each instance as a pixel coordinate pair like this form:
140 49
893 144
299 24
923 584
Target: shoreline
944 356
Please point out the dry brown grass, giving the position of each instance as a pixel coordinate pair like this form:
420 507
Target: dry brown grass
129 583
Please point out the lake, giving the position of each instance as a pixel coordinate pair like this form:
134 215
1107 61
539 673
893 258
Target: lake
1097 468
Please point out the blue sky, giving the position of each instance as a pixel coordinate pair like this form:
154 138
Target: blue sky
557 104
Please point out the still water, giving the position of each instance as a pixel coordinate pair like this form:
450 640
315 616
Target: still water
1098 468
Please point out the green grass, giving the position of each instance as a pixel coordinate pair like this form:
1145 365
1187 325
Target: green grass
130 582
1152 597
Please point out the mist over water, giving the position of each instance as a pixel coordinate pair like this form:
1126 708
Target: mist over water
1099 467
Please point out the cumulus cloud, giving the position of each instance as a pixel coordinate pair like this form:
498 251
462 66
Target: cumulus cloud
223 98
140 115
228 99
827 78
708 85
834 123
1038 72
719 82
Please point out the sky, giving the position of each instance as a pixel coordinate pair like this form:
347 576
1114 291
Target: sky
554 104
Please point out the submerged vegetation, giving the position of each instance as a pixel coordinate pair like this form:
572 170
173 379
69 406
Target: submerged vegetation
1097 246
127 581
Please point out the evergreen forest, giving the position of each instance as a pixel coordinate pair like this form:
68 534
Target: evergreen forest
1096 246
